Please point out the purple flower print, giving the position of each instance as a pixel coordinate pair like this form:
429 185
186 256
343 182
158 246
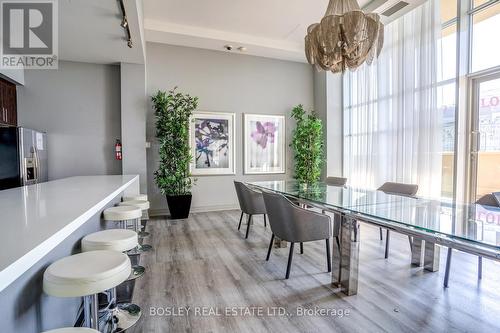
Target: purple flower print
263 133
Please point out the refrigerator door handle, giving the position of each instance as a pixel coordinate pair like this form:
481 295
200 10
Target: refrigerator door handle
38 167
35 155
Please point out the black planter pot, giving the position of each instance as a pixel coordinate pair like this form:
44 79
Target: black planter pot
179 206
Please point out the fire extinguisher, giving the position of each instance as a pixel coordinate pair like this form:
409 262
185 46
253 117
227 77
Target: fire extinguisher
118 150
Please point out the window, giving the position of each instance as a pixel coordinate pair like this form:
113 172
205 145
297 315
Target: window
485 47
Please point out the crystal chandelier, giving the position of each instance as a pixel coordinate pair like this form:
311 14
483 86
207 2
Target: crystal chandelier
345 38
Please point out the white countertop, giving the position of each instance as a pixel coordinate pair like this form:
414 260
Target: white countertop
35 219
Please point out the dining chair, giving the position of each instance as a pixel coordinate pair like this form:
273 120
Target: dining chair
408 190
486 200
294 224
251 203
335 181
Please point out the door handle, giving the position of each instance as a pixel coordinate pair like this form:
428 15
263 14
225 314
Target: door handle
475 141
35 156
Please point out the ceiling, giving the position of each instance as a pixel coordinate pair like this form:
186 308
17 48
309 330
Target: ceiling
89 31
269 28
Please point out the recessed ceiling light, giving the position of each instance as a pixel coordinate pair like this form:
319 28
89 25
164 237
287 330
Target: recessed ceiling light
242 49
228 47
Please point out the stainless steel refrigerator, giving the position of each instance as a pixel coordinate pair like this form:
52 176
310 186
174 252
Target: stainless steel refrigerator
23 157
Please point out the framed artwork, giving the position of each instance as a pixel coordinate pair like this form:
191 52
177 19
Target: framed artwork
212 143
264 141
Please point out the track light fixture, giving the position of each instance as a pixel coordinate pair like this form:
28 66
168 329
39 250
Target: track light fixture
124 25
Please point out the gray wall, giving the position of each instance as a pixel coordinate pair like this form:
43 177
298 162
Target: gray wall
133 122
227 83
78 106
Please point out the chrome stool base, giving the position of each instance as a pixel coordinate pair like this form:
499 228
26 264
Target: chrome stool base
142 234
139 249
137 272
125 316
144 248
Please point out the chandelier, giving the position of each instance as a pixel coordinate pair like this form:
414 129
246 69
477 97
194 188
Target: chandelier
345 38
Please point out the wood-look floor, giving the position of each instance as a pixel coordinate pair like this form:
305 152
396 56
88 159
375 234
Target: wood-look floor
205 262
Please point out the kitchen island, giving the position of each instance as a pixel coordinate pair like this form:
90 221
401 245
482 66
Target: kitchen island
40 224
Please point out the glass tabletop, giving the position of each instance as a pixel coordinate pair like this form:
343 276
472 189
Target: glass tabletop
468 222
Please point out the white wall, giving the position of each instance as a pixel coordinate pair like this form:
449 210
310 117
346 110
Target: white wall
228 83
133 122
78 105
328 105
334 124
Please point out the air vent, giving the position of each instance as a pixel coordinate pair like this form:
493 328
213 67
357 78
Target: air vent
394 9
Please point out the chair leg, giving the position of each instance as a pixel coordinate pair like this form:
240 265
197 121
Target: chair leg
387 244
290 256
447 270
301 248
411 242
265 221
338 242
249 220
241 218
380 229
270 247
480 268
328 257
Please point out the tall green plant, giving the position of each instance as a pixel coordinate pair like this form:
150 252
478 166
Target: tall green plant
173 110
307 145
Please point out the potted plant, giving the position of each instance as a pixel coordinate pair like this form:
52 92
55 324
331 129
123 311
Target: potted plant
307 146
173 111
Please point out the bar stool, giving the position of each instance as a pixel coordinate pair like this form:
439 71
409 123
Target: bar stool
72 330
144 206
145 214
135 197
121 240
122 214
86 275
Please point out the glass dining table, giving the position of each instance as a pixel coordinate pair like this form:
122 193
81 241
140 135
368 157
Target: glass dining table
470 228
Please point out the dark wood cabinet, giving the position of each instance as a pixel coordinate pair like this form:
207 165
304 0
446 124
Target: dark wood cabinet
8 103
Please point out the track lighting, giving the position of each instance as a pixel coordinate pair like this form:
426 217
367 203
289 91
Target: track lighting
124 25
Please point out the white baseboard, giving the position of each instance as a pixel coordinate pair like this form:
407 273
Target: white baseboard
201 209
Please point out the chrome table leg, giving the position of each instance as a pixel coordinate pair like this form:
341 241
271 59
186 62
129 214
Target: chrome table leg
348 258
431 257
417 248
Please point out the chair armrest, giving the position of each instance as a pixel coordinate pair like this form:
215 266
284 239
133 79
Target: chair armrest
311 225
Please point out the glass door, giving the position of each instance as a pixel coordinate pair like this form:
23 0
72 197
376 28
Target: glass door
485 137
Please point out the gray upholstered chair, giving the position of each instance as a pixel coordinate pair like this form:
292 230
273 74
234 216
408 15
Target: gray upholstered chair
295 224
335 181
486 200
398 189
251 203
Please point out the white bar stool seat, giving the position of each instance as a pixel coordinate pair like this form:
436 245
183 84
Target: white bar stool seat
142 204
122 213
73 330
135 197
86 273
121 240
